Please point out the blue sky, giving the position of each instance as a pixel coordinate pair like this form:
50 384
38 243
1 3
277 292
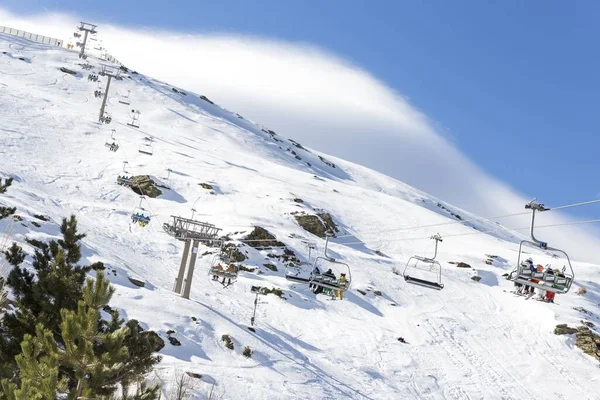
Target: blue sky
514 85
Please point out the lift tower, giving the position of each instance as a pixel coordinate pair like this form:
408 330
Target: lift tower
87 28
110 73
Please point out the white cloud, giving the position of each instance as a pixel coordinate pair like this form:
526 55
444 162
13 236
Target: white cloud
322 101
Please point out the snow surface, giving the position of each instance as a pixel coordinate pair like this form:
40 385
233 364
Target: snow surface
469 341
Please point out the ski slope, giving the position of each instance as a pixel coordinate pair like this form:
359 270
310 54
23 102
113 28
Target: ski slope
469 341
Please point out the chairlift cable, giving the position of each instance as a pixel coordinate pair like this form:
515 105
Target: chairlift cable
575 205
478 219
483 232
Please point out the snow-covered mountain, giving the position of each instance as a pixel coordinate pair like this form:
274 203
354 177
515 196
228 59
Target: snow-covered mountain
471 340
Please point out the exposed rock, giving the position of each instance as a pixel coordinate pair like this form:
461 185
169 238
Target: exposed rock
318 224
462 265
245 269
68 71
583 311
193 375
261 238
143 185
206 186
228 342
589 324
136 282
277 292
232 253
174 341
206 99
326 162
158 343
585 339
563 329
271 267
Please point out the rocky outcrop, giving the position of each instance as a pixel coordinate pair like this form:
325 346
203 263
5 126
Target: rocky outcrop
319 224
585 339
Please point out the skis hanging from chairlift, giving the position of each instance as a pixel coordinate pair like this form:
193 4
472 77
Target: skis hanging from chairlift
420 270
554 281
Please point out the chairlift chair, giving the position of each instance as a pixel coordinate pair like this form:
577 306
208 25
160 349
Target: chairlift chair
300 272
140 215
111 142
221 267
135 119
106 118
125 99
146 148
326 262
425 267
555 282
124 181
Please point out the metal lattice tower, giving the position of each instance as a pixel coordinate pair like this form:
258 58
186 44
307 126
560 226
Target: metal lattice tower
87 28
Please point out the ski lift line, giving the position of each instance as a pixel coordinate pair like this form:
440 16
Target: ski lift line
479 219
585 203
591 221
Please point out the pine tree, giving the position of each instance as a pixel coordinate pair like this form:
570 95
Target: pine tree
54 286
92 374
5 185
15 255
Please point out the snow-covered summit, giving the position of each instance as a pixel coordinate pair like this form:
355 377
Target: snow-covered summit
470 340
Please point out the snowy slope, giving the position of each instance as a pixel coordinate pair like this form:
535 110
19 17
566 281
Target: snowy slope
468 341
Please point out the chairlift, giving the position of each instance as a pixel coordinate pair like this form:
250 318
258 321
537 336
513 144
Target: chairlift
135 119
112 143
76 34
554 281
425 268
92 77
140 215
125 99
106 119
124 180
340 277
222 269
146 148
300 272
